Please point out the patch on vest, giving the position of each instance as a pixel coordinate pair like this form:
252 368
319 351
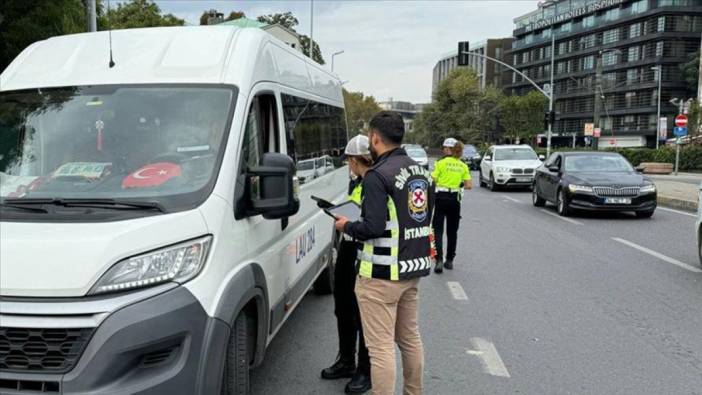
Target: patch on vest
418 207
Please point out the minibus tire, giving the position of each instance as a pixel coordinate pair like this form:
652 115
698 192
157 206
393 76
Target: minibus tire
236 366
324 285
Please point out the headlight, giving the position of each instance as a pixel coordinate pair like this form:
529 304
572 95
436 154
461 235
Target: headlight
579 188
501 169
178 263
648 188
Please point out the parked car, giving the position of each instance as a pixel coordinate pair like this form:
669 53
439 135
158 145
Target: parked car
471 156
163 255
699 226
595 181
418 154
508 166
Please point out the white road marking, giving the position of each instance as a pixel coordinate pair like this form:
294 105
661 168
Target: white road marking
572 221
456 290
677 211
658 255
511 198
486 351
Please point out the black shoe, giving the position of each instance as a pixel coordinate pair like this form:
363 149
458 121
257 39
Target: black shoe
360 383
449 264
340 369
439 266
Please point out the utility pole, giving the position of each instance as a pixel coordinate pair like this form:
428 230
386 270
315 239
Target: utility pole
334 55
550 97
659 74
311 47
92 15
598 99
699 92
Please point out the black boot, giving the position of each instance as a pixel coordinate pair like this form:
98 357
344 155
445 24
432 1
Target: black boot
360 383
341 369
449 264
439 266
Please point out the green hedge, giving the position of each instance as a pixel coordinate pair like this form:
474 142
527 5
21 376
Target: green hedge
690 155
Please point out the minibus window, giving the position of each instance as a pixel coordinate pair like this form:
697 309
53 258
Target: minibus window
155 143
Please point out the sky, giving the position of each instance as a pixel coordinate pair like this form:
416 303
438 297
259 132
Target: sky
390 47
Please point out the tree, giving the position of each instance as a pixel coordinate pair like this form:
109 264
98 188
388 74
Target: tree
25 22
289 21
690 70
359 110
523 116
460 109
138 13
234 15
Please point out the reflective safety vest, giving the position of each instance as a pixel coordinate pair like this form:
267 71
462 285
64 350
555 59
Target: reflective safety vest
355 195
404 250
449 174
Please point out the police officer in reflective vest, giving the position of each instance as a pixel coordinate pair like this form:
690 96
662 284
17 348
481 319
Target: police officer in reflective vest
348 317
450 176
394 229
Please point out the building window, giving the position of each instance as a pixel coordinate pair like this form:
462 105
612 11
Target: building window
546 33
634 54
529 39
589 21
659 49
661 24
611 15
609 58
547 53
630 99
588 62
566 27
525 57
610 36
587 41
635 30
639 6
561 67
632 76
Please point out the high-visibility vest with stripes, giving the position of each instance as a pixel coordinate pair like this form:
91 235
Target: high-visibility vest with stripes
404 249
356 193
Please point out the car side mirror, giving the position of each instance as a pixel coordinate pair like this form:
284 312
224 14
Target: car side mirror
487 158
542 158
554 168
272 187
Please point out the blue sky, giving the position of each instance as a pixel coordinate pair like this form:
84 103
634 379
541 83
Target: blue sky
390 46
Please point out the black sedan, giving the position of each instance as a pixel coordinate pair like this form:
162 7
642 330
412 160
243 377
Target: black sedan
593 181
471 157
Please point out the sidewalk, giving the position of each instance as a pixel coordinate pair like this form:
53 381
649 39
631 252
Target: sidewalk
680 192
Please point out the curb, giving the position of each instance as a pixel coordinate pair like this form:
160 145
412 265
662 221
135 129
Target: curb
680 204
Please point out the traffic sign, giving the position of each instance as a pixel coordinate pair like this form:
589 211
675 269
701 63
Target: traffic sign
679 131
681 121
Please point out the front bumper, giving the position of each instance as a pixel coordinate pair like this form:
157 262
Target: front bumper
166 344
515 180
589 202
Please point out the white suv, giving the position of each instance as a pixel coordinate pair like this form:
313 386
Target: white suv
508 165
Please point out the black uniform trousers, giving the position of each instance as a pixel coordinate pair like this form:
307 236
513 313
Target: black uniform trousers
446 207
348 316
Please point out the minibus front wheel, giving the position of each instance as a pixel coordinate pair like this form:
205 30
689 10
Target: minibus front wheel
236 367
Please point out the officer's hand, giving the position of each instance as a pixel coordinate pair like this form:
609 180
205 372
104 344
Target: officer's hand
340 223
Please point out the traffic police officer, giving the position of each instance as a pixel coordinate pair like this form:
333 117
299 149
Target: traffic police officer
450 175
394 228
348 317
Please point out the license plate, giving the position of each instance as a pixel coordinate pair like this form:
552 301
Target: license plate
523 179
618 200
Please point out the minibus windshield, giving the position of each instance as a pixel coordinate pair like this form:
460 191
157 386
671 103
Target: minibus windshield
154 143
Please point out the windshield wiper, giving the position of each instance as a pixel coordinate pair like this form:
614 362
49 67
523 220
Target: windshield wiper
117 204
19 206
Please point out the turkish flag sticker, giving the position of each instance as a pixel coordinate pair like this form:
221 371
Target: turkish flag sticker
151 175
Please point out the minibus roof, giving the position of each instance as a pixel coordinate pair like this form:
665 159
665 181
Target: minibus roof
169 55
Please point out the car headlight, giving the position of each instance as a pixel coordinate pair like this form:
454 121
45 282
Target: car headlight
648 188
501 169
178 263
579 188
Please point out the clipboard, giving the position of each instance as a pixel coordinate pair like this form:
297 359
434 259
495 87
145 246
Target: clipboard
349 209
322 203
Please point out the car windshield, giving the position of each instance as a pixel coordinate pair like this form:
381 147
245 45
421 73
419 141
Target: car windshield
597 163
157 143
515 154
416 153
305 165
469 150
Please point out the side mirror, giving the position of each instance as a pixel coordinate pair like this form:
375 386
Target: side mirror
487 158
554 168
542 158
273 187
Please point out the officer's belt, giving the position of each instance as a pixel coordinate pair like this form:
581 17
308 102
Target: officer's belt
444 189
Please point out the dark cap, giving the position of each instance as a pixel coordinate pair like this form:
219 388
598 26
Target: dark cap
390 125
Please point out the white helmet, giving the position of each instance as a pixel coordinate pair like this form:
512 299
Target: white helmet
357 146
450 142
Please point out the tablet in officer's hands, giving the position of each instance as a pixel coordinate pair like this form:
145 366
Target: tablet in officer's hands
349 209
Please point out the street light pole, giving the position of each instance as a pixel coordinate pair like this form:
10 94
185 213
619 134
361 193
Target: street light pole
92 18
550 97
333 55
658 116
311 46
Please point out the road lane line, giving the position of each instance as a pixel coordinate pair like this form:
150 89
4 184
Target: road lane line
572 221
677 211
456 290
486 351
658 255
511 198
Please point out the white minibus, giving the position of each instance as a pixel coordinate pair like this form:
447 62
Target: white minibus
153 234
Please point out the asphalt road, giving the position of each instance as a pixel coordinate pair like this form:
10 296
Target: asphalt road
584 305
